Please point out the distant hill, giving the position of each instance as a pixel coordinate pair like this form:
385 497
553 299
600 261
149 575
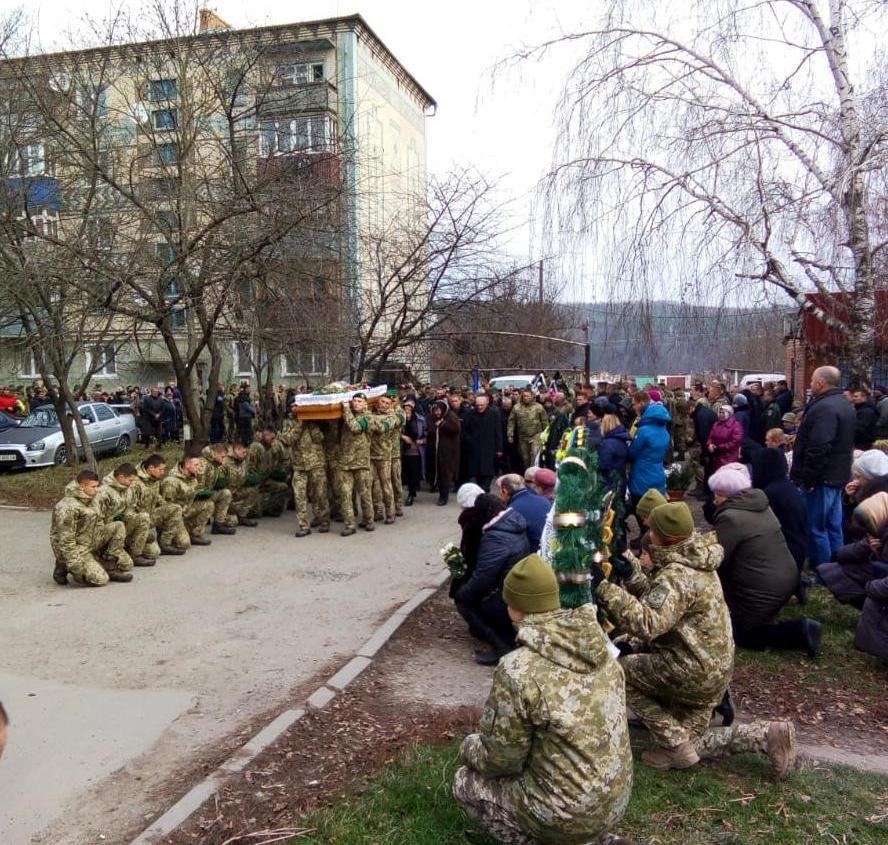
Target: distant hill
673 337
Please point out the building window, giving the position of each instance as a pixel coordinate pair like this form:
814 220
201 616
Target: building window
162 89
177 318
26 161
28 364
165 252
300 74
104 358
167 153
243 358
165 120
298 134
308 361
100 232
167 221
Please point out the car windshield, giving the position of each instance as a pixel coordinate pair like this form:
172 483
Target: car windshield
42 418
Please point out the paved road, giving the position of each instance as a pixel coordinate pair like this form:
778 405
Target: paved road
117 694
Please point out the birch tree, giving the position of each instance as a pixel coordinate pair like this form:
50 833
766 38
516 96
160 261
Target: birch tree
718 149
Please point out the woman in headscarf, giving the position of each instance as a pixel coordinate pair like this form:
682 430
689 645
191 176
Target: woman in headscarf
442 449
758 573
725 439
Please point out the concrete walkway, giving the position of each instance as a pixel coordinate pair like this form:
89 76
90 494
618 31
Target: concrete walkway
119 696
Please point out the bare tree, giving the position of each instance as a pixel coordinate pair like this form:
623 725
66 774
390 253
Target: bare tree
719 150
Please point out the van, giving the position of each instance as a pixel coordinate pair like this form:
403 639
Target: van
760 377
514 382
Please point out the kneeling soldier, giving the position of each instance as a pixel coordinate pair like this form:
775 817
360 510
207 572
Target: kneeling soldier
244 488
183 487
166 518
115 503
84 547
215 478
268 459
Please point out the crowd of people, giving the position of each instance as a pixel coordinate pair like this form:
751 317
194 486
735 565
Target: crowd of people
795 496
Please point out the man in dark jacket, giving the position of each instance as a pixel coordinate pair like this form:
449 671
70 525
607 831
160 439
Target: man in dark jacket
867 419
769 475
783 397
153 408
821 462
480 600
482 436
771 415
533 507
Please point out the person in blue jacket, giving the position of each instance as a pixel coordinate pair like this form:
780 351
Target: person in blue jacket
647 451
613 451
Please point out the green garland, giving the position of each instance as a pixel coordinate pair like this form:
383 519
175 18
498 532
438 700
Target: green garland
578 520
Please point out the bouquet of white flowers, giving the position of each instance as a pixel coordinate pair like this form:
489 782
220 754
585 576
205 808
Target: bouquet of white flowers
453 559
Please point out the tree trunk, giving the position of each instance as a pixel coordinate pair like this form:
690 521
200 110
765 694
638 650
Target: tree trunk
69 404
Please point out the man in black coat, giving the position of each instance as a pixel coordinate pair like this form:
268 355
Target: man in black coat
821 462
153 410
482 436
783 397
867 419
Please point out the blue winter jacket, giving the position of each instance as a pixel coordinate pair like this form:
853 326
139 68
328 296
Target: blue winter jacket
534 508
648 451
612 453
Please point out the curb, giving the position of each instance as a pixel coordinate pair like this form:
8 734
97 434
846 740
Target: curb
192 800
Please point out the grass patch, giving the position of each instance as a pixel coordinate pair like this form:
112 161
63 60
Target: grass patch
839 664
42 488
733 802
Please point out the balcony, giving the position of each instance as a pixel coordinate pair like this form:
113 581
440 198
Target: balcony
292 99
319 169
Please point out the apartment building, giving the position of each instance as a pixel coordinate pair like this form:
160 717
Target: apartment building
223 186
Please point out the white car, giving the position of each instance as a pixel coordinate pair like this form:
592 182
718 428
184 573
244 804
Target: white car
38 440
514 382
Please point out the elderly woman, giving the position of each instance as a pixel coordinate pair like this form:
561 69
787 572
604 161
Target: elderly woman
758 573
725 439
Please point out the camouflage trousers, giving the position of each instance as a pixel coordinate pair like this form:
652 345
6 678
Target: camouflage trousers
170 525
221 500
273 498
491 803
196 516
316 480
353 481
673 711
244 500
397 486
527 449
739 738
383 498
137 525
334 489
85 566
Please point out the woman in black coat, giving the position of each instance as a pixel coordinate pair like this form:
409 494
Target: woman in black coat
770 474
480 600
872 629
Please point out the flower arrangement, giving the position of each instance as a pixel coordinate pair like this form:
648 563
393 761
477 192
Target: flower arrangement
680 475
453 559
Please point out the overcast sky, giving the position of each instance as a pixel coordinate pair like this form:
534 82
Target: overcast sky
501 125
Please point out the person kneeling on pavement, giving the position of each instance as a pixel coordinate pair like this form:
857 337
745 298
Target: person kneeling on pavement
680 624
480 600
758 573
551 762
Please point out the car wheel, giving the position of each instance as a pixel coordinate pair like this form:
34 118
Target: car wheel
61 456
123 445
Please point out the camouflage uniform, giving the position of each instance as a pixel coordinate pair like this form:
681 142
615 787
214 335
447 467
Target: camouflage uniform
526 423
306 442
214 476
682 618
113 503
183 490
354 466
381 466
230 424
78 537
166 518
244 491
332 434
271 465
680 422
552 761
394 437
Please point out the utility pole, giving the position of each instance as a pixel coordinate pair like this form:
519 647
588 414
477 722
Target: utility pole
587 356
539 365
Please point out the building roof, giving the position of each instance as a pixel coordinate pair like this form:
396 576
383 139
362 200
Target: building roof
260 33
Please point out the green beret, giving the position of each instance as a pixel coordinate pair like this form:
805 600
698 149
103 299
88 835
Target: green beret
531 586
650 500
672 522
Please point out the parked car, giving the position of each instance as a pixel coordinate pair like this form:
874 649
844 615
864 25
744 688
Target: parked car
514 382
38 442
8 421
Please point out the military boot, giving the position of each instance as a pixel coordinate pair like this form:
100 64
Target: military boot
346 532
60 574
247 522
200 541
219 528
325 528
303 532
681 757
138 560
120 577
172 550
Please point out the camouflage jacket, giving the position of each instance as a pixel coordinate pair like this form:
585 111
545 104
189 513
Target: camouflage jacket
73 526
113 499
354 440
526 421
394 433
381 428
179 488
555 721
680 613
332 437
306 443
145 492
237 472
263 461
212 472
